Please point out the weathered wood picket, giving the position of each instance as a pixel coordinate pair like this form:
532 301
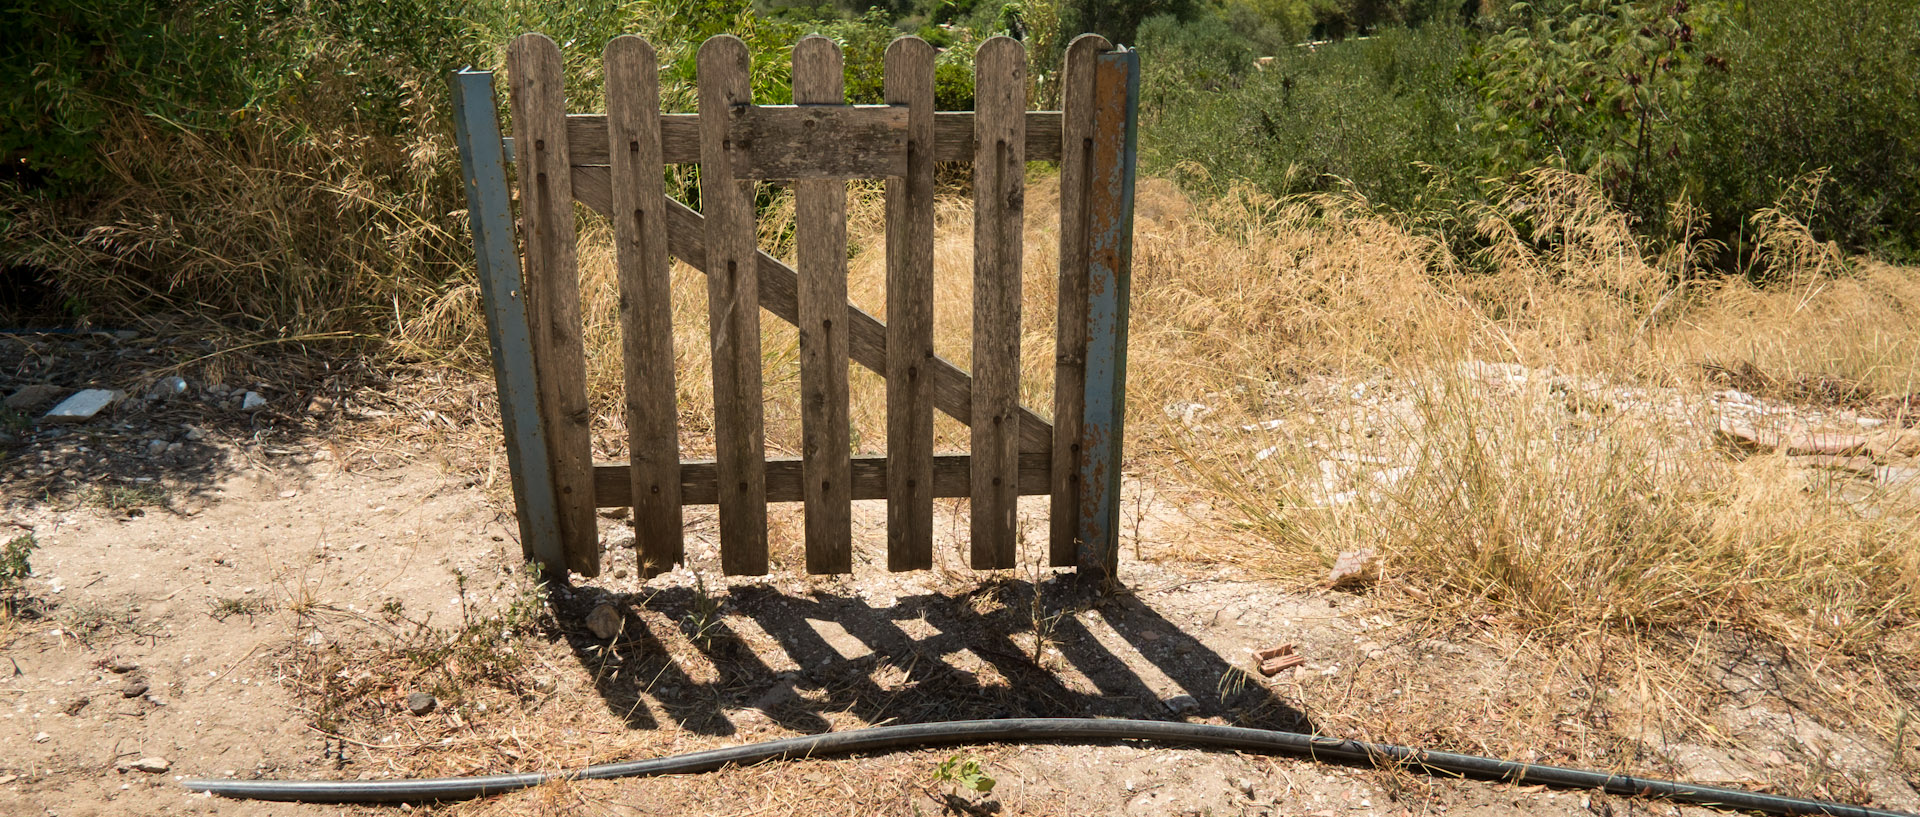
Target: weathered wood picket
613 163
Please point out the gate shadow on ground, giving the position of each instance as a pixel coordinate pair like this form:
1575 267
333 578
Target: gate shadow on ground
754 656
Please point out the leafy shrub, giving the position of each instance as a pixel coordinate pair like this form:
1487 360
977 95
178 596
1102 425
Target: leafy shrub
1813 85
1363 113
1597 87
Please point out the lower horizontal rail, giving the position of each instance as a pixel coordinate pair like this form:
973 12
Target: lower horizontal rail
699 482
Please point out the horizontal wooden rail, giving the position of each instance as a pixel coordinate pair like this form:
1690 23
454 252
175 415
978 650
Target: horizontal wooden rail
680 137
699 484
779 294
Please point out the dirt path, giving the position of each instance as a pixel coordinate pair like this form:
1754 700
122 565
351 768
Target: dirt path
280 615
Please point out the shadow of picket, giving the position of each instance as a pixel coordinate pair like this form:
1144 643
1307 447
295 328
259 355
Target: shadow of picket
805 663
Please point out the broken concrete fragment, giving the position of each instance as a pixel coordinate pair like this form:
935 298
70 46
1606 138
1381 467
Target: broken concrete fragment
83 405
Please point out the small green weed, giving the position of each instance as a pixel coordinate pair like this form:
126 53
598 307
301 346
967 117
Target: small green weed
14 569
964 772
700 622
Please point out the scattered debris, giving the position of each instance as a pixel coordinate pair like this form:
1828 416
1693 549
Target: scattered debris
605 622
1354 568
28 398
420 703
168 387
83 405
1273 660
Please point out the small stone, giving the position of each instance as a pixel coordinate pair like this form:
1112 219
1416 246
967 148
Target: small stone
194 434
8 778
1182 704
28 398
605 622
120 666
151 765
156 447
420 703
83 405
544 685
252 401
78 703
41 737
168 387
134 687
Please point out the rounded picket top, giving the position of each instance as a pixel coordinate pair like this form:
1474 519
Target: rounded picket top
909 47
1089 41
722 52
1000 46
631 48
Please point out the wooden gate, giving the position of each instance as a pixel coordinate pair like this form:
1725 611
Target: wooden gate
613 163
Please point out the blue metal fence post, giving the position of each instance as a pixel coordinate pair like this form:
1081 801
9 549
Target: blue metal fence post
483 158
1117 102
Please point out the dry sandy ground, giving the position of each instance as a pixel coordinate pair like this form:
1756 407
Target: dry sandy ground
270 615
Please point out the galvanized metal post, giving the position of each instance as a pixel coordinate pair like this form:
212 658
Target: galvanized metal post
483 158
1117 98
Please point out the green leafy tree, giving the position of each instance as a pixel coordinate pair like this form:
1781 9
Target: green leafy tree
1597 87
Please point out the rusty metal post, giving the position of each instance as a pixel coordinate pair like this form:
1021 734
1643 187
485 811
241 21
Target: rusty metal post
1116 102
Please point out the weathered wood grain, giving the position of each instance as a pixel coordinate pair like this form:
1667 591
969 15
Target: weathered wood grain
779 285
699 484
999 196
646 302
553 289
819 141
1070 338
680 137
820 238
733 302
909 82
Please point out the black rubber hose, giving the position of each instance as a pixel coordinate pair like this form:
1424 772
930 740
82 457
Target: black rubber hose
1036 729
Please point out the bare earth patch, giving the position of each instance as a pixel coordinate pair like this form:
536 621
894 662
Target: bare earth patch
282 619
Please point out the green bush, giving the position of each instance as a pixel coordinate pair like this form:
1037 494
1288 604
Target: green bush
1366 113
1729 105
1815 85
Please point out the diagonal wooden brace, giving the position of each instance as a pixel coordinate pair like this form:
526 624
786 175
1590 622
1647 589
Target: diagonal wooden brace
779 294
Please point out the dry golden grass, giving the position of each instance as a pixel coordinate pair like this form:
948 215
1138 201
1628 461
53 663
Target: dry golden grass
1526 437
1567 502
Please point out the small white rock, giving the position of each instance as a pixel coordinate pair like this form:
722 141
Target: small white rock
252 401
151 765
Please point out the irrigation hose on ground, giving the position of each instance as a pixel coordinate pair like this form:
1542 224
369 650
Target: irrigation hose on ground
1017 730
